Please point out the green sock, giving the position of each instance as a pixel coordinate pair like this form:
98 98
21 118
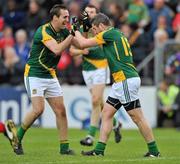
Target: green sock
20 133
100 147
64 146
153 148
92 131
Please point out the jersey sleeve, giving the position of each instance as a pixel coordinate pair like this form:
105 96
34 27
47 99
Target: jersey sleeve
45 35
100 39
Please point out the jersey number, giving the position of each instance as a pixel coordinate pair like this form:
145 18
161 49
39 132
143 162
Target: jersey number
126 47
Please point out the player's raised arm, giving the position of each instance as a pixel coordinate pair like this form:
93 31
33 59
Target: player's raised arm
98 28
76 51
83 42
57 48
58 23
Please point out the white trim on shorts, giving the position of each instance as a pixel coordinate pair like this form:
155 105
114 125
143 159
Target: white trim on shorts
127 90
42 87
95 77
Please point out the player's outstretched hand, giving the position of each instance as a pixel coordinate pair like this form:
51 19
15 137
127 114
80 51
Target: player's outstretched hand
75 25
86 21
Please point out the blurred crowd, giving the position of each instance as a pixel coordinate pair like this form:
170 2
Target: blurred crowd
146 23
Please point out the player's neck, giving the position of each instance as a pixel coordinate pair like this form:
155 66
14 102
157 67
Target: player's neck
54 26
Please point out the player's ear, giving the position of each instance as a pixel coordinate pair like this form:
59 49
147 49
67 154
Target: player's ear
55 17
101 26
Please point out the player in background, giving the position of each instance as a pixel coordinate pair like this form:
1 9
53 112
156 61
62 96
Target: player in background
96 75
40 79
124 91
9 130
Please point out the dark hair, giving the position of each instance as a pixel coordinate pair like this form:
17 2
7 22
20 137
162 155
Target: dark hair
92 6
55 10
101 18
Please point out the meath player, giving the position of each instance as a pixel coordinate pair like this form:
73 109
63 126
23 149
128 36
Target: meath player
124 91
40 77
96 75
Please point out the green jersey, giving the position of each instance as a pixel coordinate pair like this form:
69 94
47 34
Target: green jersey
118 54
42 62
95 59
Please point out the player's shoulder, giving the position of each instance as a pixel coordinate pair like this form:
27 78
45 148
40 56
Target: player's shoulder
111 33
65 31
42 31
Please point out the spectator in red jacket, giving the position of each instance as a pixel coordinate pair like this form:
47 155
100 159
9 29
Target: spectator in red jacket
7 39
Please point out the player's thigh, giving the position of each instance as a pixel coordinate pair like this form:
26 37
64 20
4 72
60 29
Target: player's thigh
108 111
97 91
38 103
88 78
56 103
101 76
126 91
96 77
53 89
136 114
35 86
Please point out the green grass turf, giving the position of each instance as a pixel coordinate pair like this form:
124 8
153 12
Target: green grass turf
41 147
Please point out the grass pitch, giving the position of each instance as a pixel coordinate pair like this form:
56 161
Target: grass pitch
41 146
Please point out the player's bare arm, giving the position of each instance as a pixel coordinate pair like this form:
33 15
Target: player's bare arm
83 42
76 51
57 48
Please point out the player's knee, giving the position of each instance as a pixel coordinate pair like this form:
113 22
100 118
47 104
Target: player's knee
136 117
107 114
60 112
37 112
96 100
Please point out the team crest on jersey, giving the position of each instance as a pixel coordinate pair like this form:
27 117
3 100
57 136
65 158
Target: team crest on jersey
34 91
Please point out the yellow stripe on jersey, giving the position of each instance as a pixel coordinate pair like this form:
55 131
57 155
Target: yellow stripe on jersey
97 63
27 68
99 38
51 70
131 65
45 35
130 53
117 53
118 76
125 47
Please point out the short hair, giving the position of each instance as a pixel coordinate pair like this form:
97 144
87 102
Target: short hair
55 10
92 6
101 18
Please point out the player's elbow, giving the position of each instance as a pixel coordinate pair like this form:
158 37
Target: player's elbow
82 45
57 51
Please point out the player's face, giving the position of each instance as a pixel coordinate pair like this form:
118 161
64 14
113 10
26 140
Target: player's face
97 29
63 19
91 12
